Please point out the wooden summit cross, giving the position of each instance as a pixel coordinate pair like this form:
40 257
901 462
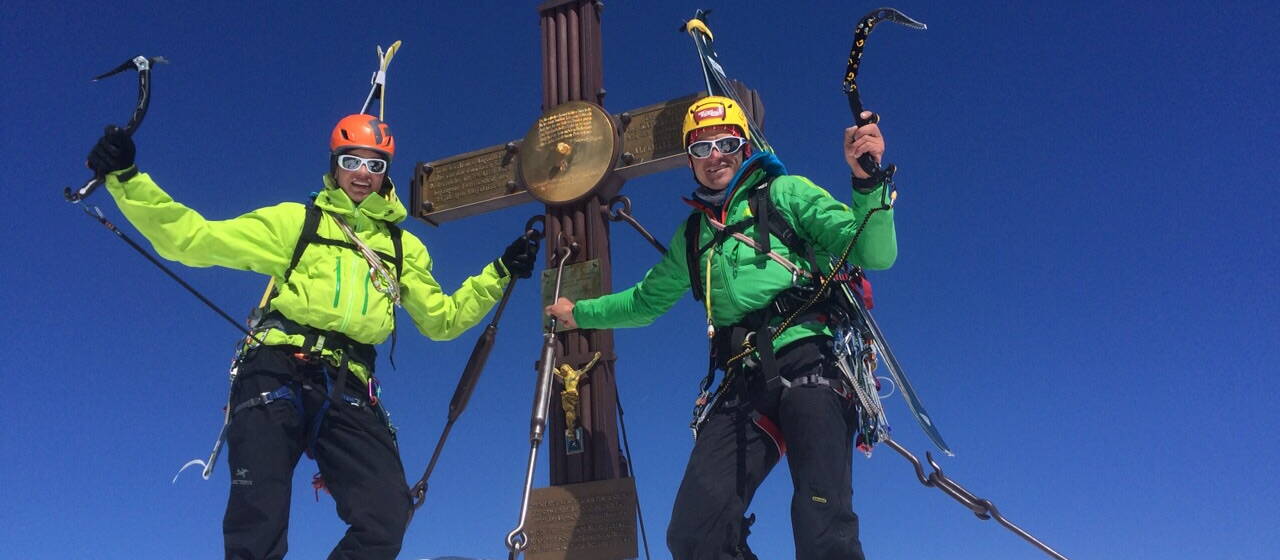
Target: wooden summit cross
574 158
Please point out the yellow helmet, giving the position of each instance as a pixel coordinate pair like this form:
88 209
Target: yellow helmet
714 111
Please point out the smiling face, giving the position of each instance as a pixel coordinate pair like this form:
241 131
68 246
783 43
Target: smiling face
360 183
716 170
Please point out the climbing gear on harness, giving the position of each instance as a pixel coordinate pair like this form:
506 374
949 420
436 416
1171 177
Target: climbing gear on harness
381 278
980 507
517 540
470 375
860 33
362 131
143 65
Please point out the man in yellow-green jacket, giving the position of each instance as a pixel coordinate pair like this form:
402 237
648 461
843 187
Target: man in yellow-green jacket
341 266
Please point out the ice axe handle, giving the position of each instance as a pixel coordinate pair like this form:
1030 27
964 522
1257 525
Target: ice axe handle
865 161
79 194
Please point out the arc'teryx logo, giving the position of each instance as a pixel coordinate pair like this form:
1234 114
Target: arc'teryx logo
242 478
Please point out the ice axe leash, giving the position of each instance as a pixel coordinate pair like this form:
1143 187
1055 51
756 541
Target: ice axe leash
143 65
471 374
517 539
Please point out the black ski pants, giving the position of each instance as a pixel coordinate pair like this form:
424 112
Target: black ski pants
354 448
733 455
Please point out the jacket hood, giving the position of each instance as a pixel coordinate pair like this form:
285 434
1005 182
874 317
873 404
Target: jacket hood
377 206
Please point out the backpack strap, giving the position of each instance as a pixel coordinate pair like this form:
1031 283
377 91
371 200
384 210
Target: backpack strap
770 221
310 234
692 227
396 242
310 227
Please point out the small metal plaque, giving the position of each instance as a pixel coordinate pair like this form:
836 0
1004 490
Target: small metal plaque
568 152
573 443
581 281
466 184
651 141
585 521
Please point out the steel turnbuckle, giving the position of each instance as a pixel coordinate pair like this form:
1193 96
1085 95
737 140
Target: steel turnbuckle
980 507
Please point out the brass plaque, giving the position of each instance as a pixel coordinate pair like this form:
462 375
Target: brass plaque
465 185
568 152
585 521
581 281
651 141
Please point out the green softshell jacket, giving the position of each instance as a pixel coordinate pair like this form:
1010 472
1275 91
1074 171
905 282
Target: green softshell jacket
331 287
741 279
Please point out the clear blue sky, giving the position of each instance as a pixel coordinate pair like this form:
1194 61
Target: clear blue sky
1084 295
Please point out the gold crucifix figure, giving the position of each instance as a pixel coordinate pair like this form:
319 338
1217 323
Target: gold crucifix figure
569 396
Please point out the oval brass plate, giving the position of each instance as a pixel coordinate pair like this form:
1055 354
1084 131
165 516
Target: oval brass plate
568 152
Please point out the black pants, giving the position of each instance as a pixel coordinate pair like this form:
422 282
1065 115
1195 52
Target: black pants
733 454
354 448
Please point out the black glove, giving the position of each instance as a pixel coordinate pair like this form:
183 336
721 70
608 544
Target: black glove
113 152
520 257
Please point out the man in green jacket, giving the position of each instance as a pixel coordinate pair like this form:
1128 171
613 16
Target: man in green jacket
787 397
340 267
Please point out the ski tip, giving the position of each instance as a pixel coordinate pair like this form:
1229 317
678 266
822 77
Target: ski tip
698 25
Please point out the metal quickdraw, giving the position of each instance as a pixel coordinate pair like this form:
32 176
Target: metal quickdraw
517 540
143 65
471 374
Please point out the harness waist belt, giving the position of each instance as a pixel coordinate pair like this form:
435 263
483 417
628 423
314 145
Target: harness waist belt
365 354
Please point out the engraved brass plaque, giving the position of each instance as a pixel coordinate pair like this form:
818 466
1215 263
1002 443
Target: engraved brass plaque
580 281
585 521
466 184
651 141
568 152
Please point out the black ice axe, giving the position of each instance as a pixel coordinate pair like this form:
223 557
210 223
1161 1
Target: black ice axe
143 65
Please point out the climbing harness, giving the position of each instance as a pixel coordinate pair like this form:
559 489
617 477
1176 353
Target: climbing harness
517 540
143 65
471 374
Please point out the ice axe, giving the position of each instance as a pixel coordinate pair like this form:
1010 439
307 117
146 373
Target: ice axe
470 375
143 65
860 33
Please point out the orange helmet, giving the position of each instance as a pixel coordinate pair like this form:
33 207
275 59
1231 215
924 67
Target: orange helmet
362 131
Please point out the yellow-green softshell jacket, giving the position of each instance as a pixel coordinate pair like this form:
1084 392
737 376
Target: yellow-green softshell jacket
331 288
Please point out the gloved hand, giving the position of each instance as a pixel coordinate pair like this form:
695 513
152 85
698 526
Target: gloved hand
113 152
520 257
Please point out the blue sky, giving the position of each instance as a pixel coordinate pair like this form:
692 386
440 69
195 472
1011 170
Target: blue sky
1084 294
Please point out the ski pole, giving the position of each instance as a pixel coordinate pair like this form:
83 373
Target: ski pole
470 375
517 540
143 65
